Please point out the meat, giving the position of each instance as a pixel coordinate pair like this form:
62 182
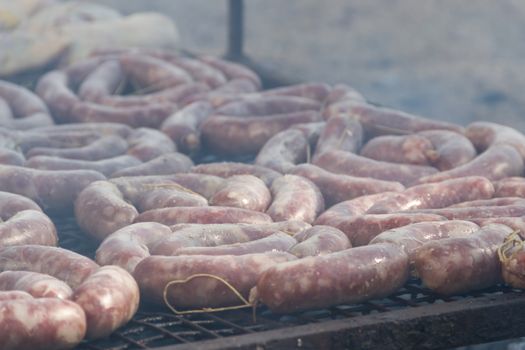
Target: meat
451 149
313 91
28 323
243 191
350 276
227 169
436 195
360 230
165 164
38 285
510 187
341 132
485 135
283 151
194 281
295 198
338 188
203 215
319 240
28 227
351 164
497 162
468 213
407 149
110 298
461 264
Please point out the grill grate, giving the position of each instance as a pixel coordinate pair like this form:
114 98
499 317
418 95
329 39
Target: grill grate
154 327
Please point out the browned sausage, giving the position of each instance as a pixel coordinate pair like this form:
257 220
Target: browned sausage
352 164
338 188
243 191
242 271
458 265
350 276
295 198
436 195
319 240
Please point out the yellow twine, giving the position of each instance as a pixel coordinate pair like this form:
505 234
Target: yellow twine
507 250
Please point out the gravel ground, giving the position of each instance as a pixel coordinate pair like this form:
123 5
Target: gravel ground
453 60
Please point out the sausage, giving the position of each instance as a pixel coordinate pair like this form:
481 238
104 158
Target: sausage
510 187
203 215
11 203
199 70
53 89
476 212
457 265
105 166
53 191
21 101
319 240
349 276
295 198
152 74
496 163
381 121
147 144
38 285
413 236
312 131
341 93
283 151
406 149
261 105
516 223
169 195
104 80
227 169
10 157
110 297
183 126
229 92
100 129
291 227
205 185
30 139
232 70
313 91
341 132
28 227
246 135
436 195
241 271
278 241
486 134
360 230
490 202
451 149
165 164
243 191
127 246
104 147
135 116
338 188
100 209
60 263
352 207
347 163
28 323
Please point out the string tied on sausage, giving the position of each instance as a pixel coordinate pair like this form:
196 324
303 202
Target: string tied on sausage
245 303
512 244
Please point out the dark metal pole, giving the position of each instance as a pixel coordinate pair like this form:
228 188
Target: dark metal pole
235 29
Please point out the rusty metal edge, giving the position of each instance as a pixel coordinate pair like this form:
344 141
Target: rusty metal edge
435 326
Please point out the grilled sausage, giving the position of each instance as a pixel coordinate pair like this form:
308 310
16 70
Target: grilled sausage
349 276
261 105
283 151
341 132
165 164
28 227
319 240
295 198
243 191
39 285
406 149
227 169
458 265
451 149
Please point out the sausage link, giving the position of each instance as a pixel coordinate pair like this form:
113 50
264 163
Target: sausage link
28 227
486 134
436 195
227 169
147 144
510 187
341 132
492 202
458 265
468 213
283 151
243 191
451 149
261 105
165 164
319 240
350 276
338 188
406 149
295 198
351 164
38 285
103 81
313 91
241 271
233 70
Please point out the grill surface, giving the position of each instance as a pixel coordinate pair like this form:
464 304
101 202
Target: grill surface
412 309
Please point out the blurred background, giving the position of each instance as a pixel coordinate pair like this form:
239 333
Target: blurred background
452 60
